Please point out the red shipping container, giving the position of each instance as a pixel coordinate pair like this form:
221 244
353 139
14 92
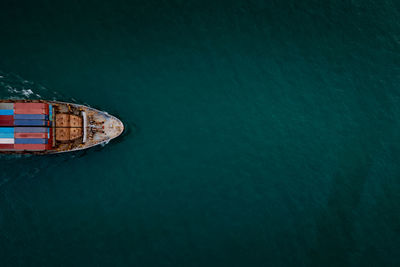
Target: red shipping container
30 135
31 111
6 146
30 146
30 106
50 143
7 123
6 117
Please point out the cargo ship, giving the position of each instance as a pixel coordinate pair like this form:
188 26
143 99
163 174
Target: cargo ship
48 127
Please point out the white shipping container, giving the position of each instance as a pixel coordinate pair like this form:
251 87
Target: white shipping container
6 140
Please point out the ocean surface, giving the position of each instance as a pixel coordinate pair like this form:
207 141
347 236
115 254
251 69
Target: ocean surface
258 133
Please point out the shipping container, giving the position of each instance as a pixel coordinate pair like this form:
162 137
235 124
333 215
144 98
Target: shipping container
31 117
30 141
30 135
6 135
51 112
6 129
30 129
31 111
7 141
50 142
6 146
6 105
30 123
30 147
6 112
6 117
30 105
6 123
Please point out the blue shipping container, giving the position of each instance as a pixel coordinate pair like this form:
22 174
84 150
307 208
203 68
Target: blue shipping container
30 129
6 130
51 112
30 141
30 122
6 135
30 117
6 112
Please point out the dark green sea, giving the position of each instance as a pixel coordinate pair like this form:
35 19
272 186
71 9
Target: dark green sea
258 133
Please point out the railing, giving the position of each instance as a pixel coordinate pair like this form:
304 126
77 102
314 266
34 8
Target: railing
85 125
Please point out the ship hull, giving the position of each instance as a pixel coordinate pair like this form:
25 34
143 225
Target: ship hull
69 127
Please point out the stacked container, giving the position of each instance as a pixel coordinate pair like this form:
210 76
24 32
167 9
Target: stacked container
6 119
6 114
25 126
